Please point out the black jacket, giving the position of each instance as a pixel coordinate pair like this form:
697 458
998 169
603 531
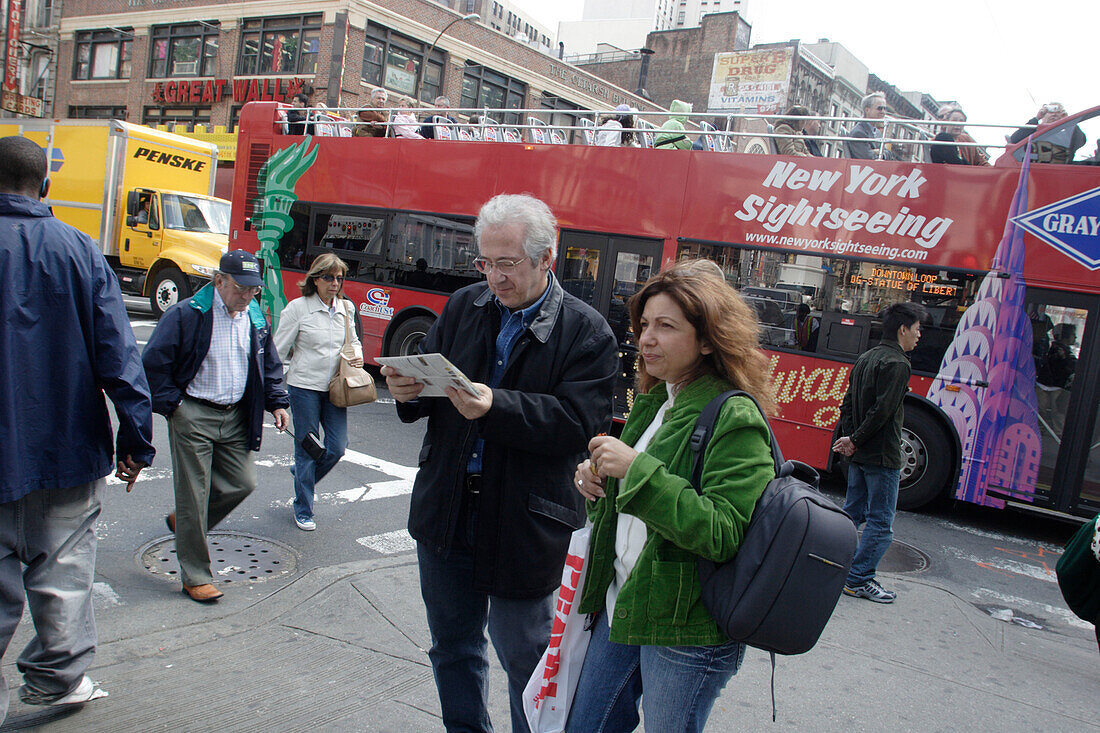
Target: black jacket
871 413
179 345
554 396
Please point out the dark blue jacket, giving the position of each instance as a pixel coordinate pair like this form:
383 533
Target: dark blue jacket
65 339
180 343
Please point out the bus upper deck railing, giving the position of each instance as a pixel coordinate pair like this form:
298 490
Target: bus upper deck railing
901 139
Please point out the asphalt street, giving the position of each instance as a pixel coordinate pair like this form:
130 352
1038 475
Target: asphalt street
996 564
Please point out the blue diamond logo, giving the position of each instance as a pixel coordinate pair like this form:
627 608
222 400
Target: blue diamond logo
1071 226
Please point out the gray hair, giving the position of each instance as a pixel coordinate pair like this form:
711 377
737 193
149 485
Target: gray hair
442 101
869 100
540 228
948 108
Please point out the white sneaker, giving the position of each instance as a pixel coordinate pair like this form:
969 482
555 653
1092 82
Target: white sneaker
86 691
307 525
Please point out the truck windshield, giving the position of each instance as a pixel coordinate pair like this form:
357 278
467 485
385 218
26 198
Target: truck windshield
196 214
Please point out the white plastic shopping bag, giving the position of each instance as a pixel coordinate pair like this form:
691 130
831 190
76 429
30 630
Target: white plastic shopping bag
549 692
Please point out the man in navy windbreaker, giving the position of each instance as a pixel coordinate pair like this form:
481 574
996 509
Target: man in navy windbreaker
213 370
65 339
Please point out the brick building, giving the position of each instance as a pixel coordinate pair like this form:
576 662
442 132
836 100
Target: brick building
197 62
682 61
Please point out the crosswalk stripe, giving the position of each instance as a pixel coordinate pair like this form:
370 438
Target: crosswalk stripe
389 543
391 469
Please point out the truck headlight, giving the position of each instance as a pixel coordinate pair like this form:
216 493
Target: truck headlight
203 270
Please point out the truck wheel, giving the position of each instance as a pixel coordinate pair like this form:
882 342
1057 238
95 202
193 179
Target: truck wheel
408 336
169 288
927 458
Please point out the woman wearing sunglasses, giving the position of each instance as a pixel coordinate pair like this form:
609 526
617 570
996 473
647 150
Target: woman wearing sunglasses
309 338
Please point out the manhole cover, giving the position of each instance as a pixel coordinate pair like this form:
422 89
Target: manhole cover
903 558
234 558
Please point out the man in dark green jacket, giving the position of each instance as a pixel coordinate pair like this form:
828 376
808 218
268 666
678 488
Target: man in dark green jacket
870 425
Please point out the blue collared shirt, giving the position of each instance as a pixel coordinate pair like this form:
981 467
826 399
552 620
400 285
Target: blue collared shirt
512 324
224 373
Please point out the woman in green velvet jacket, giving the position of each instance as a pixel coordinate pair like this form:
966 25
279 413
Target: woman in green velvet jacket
652 637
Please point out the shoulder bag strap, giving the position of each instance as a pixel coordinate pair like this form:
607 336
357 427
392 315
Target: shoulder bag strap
347 322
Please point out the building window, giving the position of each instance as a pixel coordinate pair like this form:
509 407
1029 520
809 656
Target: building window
285 45
97 113
564 115
189 116
43 13
482 87
103 54
185 49
392 61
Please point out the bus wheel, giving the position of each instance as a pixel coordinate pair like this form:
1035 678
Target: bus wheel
408 336
169 288
927 460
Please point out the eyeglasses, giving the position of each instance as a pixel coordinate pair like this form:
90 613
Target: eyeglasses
882 108
504 266
331 278
255 290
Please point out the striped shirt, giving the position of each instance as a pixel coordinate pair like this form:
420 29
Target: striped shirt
224 372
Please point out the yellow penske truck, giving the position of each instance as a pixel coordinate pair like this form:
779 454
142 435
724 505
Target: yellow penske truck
144 195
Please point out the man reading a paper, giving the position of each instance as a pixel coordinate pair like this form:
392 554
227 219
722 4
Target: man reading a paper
493 505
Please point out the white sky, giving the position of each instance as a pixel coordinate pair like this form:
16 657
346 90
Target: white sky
1000 59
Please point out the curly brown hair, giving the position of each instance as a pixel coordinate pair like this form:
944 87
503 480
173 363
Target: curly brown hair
721 318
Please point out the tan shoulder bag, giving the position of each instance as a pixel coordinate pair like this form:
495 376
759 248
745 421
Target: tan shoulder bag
350 385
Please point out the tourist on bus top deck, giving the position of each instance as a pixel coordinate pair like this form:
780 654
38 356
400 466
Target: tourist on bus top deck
1061 145
874 108
296 119
954 133
672 132
792 125
614 131
427 130
812 127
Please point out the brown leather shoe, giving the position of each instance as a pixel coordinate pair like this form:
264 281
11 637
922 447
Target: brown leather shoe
170 520
204 593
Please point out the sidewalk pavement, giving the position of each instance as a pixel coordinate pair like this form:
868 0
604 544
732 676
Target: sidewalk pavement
342 649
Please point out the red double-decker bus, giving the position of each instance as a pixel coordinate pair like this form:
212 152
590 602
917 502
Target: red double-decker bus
1001 409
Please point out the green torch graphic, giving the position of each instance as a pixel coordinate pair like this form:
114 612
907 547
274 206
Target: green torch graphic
276 184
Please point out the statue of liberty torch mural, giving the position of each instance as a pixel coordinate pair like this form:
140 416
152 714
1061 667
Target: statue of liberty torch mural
997 423
276 182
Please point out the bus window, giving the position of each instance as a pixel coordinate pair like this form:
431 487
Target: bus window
777 283
432 252
1055 347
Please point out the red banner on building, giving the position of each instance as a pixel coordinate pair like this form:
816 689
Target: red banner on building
11 51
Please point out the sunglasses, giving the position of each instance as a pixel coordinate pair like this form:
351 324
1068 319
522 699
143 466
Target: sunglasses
331 278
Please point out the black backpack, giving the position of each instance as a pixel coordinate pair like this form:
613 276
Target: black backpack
780 589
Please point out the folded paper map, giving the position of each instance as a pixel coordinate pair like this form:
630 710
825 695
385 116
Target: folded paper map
433 370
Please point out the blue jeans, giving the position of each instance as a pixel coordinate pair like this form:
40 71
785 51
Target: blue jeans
457 618
677 684
47 551
872 498
312 411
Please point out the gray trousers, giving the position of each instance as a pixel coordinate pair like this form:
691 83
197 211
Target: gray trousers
47 551
212 471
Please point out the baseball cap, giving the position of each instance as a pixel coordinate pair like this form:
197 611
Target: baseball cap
242 267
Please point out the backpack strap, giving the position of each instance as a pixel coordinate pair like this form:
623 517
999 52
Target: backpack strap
700 438
704 430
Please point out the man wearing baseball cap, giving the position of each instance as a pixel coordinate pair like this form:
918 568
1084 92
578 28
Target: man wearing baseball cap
213 370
